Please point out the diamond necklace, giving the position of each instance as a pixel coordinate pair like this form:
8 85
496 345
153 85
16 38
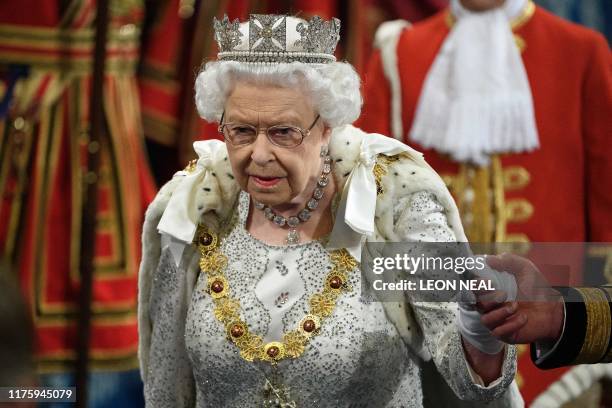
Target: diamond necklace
293 236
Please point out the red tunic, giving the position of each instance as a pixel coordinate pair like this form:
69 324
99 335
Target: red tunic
560 192
43 145
568 67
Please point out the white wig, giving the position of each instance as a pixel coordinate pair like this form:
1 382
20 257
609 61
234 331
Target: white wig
333 87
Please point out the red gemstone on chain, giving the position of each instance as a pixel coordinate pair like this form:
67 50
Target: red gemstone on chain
273 351
237 330
309 326
335 282
206 239
217 286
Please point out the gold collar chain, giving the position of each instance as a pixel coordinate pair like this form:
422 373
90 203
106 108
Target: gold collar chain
227 309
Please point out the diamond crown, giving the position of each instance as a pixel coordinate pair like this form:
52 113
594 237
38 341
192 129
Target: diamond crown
271 38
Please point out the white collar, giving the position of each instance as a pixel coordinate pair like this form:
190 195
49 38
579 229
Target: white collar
476 99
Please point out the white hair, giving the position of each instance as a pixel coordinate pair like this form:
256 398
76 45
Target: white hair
333 88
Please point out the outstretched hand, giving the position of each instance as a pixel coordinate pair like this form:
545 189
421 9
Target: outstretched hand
536 315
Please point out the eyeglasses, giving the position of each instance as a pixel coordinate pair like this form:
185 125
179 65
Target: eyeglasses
241 134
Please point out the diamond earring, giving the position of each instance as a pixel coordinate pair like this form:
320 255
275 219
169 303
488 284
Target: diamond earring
324 150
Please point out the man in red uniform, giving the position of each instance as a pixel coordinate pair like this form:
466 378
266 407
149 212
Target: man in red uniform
515 180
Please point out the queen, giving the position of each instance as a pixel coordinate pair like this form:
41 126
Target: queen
249 288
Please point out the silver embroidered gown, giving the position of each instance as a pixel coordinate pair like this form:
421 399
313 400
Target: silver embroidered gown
358 360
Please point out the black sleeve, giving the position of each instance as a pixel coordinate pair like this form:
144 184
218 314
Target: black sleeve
587 331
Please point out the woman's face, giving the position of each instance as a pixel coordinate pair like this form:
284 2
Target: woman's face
274 175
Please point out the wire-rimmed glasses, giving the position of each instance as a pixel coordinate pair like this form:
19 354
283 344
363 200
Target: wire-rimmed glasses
242 134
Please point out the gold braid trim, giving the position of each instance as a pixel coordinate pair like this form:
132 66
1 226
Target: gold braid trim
381 169
524 17
599 323
499 199
608 357
227 309
68 49
481 228
191 166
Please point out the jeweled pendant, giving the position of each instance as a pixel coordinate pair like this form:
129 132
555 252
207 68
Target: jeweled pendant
275 393
293 237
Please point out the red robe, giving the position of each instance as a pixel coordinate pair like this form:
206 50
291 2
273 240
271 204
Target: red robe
560 192
43 143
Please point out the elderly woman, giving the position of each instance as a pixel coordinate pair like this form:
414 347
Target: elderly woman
250 288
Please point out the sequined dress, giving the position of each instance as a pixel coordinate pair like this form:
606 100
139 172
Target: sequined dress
358 360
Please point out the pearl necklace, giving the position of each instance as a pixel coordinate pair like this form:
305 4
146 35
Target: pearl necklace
293 236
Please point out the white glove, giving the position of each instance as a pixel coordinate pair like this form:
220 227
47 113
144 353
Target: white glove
469 323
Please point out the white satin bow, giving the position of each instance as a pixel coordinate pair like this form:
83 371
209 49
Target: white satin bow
355 216
181 217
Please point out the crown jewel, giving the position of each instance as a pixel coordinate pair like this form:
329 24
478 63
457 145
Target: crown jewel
270 38
227 33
